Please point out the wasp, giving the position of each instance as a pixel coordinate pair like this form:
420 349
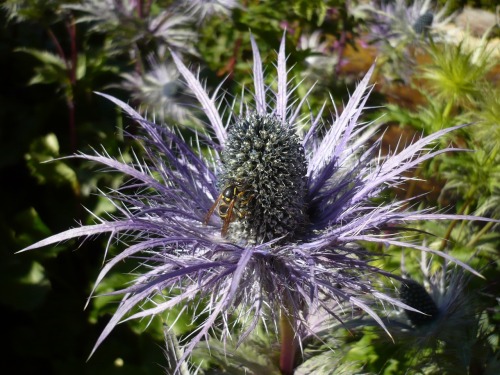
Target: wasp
231 204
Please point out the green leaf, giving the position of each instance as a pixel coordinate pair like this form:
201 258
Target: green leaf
81 68
23 284
310 8
29 218
45 169
44 57
53 68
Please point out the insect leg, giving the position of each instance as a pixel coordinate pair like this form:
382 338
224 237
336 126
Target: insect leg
211 210
227 218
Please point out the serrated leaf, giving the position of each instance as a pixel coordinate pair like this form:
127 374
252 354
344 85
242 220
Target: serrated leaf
45 57
29 218
53 68
45 168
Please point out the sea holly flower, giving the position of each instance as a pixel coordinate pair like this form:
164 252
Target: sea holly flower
453 337
397 27
202 10
322 58
390 22
160 92
414 294
261 215
129 22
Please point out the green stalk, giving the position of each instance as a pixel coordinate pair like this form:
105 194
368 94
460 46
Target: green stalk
452 225
479 234
288 343
447 110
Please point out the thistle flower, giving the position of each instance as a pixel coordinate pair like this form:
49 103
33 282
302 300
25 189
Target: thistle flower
159 91
415 295
396 28
453 337
456 336
265 220
394 21
204 9
129 21
321 63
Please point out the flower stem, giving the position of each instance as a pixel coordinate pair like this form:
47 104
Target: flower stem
447 110
455 222
478 235
288 347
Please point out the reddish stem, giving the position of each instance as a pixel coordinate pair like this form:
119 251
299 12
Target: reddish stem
228 69
74 51
71 71
59 49
342 41
71 26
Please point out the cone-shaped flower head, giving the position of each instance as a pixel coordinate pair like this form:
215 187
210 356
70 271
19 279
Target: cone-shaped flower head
266 163
415 295
269 221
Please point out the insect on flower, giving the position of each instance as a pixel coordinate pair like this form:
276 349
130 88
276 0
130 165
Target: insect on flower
231 201
295 198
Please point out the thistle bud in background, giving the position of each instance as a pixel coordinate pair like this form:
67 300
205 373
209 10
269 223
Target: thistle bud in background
413 294
423 23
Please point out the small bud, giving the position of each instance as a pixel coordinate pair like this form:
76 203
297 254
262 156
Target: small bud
423 23
413 294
